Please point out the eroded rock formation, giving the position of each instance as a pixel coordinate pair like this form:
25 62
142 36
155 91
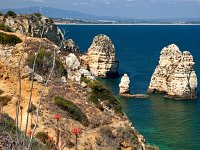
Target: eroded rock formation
175 74
101 58
124 86
71 46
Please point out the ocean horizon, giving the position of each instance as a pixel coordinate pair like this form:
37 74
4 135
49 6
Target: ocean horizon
166 123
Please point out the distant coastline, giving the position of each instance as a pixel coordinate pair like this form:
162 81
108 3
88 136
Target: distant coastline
149 24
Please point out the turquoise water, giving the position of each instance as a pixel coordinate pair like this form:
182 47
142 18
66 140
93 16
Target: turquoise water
169 124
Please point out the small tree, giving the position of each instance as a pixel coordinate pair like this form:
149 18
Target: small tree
11 13
1 14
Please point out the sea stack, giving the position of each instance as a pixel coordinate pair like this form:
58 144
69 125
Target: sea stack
124 86
101 58
175 74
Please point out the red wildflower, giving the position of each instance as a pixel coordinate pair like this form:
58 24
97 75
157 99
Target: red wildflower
76 131
57 116
30 133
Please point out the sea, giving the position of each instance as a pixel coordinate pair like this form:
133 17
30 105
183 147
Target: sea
167 123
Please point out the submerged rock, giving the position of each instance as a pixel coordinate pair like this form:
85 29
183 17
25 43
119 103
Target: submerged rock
71 46
101 58
124 86
175 74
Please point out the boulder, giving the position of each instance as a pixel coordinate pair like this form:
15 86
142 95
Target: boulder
175 74
72 62
28 73
101 57
124 86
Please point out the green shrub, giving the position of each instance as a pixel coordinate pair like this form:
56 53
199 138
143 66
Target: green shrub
101 93
42 136
11 13
5 28
84 79
6 39
1 14
8 122
4 100
73 110
44 62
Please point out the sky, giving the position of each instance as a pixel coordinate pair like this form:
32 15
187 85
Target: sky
138 9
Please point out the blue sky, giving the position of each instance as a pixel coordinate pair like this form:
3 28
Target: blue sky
126 8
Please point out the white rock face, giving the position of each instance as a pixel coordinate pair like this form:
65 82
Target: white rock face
72 62
124 86
74 69
73 66
101 57
175 74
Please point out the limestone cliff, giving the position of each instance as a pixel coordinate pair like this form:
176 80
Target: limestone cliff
124 85
33 24
103 129
101 57
175 74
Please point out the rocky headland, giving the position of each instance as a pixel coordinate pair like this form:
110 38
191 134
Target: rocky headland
66 105
175 75
101 58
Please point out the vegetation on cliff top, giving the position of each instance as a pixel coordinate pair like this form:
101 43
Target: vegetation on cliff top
11 40
11 14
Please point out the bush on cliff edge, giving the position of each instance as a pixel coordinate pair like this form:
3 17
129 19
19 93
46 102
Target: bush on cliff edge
11 40
99 92
73 110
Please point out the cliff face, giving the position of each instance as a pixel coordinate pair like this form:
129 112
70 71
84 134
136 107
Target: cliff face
175 74
101 57
33 24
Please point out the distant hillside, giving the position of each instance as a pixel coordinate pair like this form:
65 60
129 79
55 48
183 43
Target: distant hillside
54 13
76 17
